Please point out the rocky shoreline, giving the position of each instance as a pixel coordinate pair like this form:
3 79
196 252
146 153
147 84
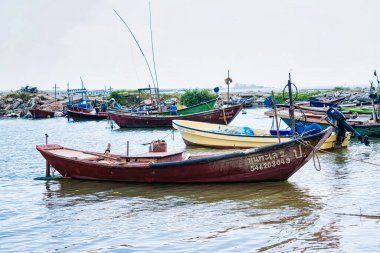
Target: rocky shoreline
17 104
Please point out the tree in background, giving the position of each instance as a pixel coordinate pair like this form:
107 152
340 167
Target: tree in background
196 96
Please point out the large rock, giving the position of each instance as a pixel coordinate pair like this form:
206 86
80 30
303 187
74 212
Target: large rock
8 107
16 104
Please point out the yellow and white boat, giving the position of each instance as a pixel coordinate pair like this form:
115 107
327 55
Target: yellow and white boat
221 136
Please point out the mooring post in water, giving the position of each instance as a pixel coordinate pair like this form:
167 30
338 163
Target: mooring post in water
275 116
46 138
291 106
127 148
47 173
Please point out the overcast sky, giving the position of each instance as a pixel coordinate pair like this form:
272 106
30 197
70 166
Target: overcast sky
323 42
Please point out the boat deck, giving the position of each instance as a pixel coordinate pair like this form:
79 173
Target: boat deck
73 154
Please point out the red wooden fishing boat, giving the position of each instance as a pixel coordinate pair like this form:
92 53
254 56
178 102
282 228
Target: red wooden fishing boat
270 163
218 116
75 115
41 113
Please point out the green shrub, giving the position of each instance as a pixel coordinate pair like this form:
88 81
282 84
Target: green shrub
340 88
302 96
25 96
196 96
118 95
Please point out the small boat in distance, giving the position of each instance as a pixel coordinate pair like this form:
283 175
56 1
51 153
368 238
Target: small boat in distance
271 163
41 113
78 116
229 137
219 116
82 106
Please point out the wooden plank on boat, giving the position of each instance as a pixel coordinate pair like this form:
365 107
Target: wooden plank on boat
72 153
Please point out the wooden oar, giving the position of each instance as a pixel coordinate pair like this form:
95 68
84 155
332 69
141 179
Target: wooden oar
104 156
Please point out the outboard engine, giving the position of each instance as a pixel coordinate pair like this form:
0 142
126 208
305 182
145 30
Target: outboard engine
342 126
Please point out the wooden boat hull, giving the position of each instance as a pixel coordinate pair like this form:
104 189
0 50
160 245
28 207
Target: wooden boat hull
41 114
330 103
270 163
86 116
201 134
219 116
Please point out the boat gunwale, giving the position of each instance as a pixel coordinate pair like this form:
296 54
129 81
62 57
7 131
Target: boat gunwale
238 153
124 114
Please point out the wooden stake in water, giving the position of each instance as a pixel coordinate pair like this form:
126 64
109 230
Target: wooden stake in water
275 116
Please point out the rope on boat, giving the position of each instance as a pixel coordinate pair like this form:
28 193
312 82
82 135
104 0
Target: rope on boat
331 153
224 116
170 133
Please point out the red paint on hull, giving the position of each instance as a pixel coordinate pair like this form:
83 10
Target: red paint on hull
41 114
75 115
217 116
271 163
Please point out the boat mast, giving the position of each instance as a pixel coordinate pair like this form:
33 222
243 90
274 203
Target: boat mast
291 105
372 95
82 83
154 61
138 45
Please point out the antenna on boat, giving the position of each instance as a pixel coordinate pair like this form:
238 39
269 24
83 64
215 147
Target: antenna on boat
55 92
154 61
138 45
372 95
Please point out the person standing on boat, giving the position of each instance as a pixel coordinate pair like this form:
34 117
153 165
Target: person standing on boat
173 109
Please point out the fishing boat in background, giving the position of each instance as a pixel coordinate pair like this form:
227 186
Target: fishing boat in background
271 163
315 102
41 113
219 116
82 106
229 137
201 107
80 116
363 124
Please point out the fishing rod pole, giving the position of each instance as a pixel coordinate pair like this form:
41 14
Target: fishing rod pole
138 45
377 78
154 61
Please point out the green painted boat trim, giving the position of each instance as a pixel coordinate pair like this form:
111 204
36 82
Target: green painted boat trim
358 110
202 107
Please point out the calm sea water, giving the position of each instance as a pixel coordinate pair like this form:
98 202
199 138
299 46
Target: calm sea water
306 213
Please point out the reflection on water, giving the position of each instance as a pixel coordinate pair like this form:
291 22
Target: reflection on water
277 193
300 215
